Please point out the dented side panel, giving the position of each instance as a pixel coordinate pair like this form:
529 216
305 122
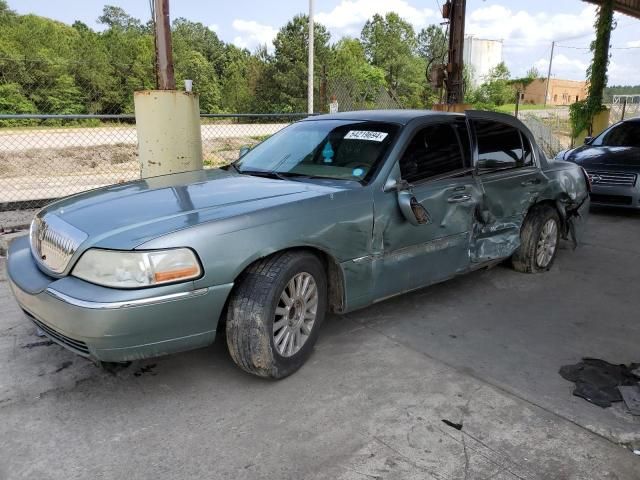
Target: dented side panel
408 256
506 198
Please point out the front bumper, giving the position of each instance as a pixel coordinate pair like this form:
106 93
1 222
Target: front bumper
114 325
613 196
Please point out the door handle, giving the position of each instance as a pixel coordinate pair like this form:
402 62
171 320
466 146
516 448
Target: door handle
459 198
528 183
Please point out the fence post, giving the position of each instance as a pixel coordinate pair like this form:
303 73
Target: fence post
517 102
624 108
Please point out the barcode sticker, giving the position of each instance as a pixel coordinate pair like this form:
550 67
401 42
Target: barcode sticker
366 135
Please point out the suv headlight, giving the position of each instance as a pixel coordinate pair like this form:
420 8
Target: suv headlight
118 269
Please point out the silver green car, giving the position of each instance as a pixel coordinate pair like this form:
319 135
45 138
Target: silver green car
331 214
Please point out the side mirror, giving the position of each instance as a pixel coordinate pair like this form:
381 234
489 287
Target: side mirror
244 150
412 210
587 140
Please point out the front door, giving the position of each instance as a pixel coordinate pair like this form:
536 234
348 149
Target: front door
436 166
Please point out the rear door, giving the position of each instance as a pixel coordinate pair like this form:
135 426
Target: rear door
510 179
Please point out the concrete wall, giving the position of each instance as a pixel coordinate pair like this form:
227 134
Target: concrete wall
561 92
482 55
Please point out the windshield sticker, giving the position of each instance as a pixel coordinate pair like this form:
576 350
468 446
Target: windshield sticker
357 172
366 135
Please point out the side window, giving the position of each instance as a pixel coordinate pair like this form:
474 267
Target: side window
500 146
434 150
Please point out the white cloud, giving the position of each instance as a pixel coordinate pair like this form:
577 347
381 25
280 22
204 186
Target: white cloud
529 28
354 13
622 72
563 67
633 44
253 34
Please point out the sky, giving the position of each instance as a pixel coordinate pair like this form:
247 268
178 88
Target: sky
526 27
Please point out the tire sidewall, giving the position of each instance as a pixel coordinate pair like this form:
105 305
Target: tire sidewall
301 263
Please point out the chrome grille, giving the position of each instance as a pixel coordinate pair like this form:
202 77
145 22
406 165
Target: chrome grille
54 241
616 179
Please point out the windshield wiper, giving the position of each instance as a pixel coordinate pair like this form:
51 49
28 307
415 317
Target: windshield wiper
263 173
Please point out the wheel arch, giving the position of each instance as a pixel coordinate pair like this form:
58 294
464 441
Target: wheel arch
558 205
335 275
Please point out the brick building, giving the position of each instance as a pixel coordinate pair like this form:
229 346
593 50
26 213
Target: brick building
561 92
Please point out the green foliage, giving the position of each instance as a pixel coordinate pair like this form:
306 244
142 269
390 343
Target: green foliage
390 43
581 113
496 90
433 46
49 67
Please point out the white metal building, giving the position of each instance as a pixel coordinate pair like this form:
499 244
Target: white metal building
481 55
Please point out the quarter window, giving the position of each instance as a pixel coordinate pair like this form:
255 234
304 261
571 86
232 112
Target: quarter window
434 150
501 146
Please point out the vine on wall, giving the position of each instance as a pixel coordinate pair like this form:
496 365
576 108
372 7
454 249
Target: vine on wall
581 113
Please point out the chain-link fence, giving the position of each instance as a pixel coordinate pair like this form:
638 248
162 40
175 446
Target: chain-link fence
41 162
623 107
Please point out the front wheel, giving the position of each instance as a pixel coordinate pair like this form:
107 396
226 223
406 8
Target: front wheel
539 240
275 313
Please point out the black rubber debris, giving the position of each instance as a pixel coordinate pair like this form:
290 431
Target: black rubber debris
146 369
457 426
597 381
64 365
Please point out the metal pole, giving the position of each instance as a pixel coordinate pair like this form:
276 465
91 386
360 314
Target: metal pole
546 90
164 54
455 82
517 102
624 108
310 69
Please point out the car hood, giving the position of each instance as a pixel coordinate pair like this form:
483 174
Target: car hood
135 212
617 158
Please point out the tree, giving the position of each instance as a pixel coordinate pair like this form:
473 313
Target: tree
433 46
131 51
389 43
287 78
497 88
116 17
188 35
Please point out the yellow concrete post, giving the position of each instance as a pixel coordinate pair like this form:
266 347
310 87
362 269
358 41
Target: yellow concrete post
600 123
168 126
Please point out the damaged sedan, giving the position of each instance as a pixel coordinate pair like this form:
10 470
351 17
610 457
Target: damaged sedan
331 214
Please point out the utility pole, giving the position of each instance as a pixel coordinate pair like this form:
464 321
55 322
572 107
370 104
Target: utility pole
310 69
164 55
455 78
546 90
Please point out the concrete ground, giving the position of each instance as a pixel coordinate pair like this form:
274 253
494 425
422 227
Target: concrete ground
481 351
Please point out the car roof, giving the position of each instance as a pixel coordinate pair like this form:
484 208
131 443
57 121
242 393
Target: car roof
401 117
632 120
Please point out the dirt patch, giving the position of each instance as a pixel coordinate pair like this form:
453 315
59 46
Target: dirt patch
218 153
38 162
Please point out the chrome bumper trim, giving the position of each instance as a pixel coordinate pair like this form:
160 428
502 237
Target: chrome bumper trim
125 304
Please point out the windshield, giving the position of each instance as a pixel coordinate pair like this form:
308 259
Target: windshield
625 134
336 149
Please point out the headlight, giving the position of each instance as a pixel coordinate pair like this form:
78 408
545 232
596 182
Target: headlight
137 269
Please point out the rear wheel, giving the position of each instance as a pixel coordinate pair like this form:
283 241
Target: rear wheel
539 240
275 313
